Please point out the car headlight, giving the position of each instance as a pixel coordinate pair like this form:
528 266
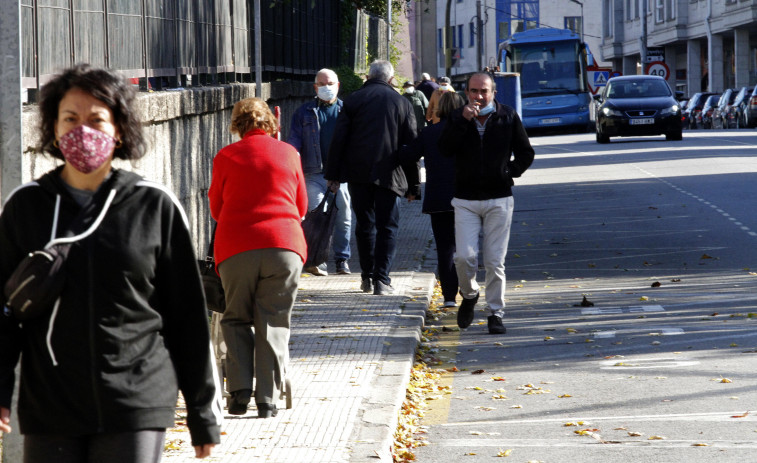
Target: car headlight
671 110
611 112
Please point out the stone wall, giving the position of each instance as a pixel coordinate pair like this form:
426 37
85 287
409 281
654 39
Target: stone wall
185 129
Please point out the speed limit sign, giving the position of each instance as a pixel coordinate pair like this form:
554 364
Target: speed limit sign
658 68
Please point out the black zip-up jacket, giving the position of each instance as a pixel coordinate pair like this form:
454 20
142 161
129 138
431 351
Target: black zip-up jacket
485 167
131 327
374 123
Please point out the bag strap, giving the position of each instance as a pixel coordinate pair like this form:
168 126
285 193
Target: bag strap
209 255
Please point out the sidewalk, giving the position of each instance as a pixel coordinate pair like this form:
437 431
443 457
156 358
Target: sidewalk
351 355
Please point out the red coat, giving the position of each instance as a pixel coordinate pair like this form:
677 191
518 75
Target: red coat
258 197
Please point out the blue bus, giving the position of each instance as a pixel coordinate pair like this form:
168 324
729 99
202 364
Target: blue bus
553 82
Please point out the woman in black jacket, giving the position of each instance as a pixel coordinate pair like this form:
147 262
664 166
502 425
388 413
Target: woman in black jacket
101 370
440 188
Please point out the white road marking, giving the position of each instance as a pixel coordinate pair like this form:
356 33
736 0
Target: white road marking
698 417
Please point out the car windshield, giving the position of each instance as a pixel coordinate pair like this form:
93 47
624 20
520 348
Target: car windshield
642 88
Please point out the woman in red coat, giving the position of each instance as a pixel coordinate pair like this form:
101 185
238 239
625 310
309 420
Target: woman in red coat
258 198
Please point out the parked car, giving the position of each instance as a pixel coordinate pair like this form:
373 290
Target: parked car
695 107
736 113
720 114
637 105
749 110
704 118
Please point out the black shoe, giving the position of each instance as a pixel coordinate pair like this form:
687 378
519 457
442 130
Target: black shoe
495 325
366 286
382 289
239 401
465 313
342 268
267 410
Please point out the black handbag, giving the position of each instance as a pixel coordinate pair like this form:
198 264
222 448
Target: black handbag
35 285
211 281
318 227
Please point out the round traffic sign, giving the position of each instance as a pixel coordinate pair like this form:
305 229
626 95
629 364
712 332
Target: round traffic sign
658 68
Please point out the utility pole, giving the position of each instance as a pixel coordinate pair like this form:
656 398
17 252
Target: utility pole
447 45
258 51
479 34
388 29
643 38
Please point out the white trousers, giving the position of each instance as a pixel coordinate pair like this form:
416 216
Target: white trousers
494 218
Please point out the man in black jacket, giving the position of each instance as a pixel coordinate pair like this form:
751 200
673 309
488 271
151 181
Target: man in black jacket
491 148
374 123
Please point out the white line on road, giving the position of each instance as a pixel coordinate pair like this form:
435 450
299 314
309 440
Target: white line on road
698 417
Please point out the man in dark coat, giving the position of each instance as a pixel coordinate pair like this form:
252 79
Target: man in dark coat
491 148
427 86
374 123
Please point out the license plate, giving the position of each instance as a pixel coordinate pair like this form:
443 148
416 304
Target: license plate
646 120
554 120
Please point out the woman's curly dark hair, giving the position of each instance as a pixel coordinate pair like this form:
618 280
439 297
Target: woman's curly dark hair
106 85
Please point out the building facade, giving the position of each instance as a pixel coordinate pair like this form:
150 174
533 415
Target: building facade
499 19
707 45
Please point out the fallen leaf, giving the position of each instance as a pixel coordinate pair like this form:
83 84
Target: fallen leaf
740 416
548 338
564 396
725 380
475 433
643 298
634 433
700 444
705 256
504 453
656 284
656 438
478 372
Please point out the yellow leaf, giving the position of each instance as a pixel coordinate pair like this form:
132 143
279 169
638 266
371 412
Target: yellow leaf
564 396
725 380
643 298
656 438
570 423
548 338
571 330
635 434
475 433
505 453
700 444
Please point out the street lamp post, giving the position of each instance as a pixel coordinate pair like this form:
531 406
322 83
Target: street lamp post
582 17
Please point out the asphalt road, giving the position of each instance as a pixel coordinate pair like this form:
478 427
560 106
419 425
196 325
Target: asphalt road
662 238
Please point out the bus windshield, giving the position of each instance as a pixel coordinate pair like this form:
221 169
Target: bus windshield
548 68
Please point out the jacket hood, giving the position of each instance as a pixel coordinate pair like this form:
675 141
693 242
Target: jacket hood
120 180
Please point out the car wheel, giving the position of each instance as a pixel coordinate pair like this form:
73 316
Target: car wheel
602 138
676 135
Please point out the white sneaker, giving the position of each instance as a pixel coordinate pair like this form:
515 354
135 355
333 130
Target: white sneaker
450 304
319 270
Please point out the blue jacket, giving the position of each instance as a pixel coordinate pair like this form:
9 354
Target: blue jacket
304 135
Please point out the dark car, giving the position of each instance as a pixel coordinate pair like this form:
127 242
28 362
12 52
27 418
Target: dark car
736 112
637 105
695 107
720 114
749 111
704 118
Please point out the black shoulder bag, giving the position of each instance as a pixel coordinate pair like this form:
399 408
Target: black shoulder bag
211 282
35 285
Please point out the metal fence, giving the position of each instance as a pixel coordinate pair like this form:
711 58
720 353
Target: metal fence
211 40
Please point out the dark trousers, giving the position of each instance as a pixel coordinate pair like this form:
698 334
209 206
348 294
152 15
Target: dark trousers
145 446
377 213
443 226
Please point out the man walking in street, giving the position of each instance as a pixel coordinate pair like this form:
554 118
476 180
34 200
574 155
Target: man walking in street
311 132
374 123
491 148
419 102
427 86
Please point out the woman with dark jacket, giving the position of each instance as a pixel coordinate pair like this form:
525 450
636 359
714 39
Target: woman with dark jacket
440 188
258 198
101 371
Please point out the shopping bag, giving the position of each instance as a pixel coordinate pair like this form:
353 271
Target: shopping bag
318 227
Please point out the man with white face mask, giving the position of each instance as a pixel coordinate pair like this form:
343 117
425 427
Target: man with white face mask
311 131
491 148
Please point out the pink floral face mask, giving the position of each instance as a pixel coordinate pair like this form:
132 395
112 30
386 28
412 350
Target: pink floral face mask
85 148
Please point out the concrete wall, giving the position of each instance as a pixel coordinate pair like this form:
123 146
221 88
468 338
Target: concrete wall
184 129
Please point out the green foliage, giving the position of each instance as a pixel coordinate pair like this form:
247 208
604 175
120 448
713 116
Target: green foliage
348 80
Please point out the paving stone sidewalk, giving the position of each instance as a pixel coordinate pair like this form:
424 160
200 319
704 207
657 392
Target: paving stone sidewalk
351 355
